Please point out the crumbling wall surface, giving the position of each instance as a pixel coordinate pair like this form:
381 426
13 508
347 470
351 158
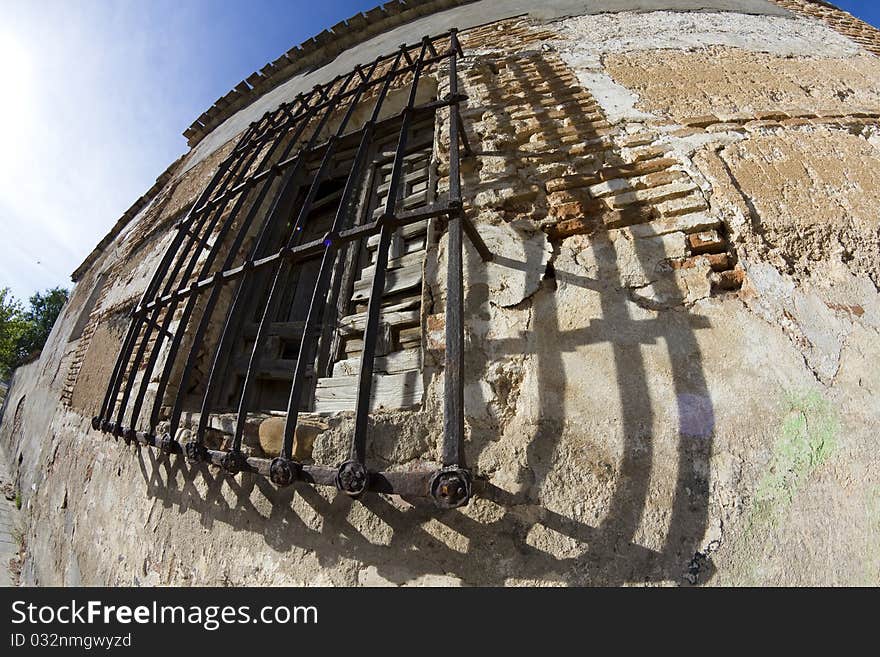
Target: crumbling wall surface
670 363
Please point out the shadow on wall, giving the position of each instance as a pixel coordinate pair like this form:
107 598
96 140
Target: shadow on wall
608 553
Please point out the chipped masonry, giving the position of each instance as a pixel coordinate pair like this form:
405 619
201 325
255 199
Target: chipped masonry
683 209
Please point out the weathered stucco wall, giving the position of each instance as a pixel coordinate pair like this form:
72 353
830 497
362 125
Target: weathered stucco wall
670 366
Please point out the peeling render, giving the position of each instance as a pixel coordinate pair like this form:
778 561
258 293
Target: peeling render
670 363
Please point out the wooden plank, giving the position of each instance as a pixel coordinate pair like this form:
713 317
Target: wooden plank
396 263
410 303
415 200
410 230
402 390
384 342
356 324
396 281
410 336
280 369
412 245
393 363
412 178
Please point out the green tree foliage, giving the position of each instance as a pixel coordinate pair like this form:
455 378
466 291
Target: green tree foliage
11 330
24 332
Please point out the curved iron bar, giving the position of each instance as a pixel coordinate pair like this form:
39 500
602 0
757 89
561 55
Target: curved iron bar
281 269
216 288
196 243
451 485
112 392
308 343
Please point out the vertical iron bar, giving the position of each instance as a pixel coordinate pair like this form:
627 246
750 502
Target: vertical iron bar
452 453
212 254
308 343
198 337
192 299
205 228
365 378
281 268
136 323
279 204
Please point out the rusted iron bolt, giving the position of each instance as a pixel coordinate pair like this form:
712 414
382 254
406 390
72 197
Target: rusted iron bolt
451 488
352 478
284 472
196 452
168 445
107 426
234 462
129 435
96 423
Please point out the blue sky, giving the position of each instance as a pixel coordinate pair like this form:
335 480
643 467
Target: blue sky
96 94
867 10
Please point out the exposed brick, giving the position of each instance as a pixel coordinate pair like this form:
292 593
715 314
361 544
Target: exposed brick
756 125
686 132
654 194
640 168
717 261
732 279
685 205
772 115
619 185
574 209
628 216
572 182
724 127
641 154
637 139
708 241
796 123
584 225
591 146
700 121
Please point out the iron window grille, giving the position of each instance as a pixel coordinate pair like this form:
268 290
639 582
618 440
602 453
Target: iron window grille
256 218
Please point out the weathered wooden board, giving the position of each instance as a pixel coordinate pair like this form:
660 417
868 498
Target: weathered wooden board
393 363
339 393
410 230
396 263
410 337
397 280
414 200
280 369
402 314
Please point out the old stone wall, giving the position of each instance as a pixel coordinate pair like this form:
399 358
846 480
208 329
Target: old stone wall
669 362
843 22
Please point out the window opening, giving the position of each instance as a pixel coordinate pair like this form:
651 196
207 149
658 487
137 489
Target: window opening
321 207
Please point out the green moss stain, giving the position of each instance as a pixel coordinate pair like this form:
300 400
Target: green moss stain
807 438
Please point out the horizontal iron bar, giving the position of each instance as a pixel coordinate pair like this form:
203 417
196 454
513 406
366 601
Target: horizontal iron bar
364 84
323 88
301 253
279 167
412 483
